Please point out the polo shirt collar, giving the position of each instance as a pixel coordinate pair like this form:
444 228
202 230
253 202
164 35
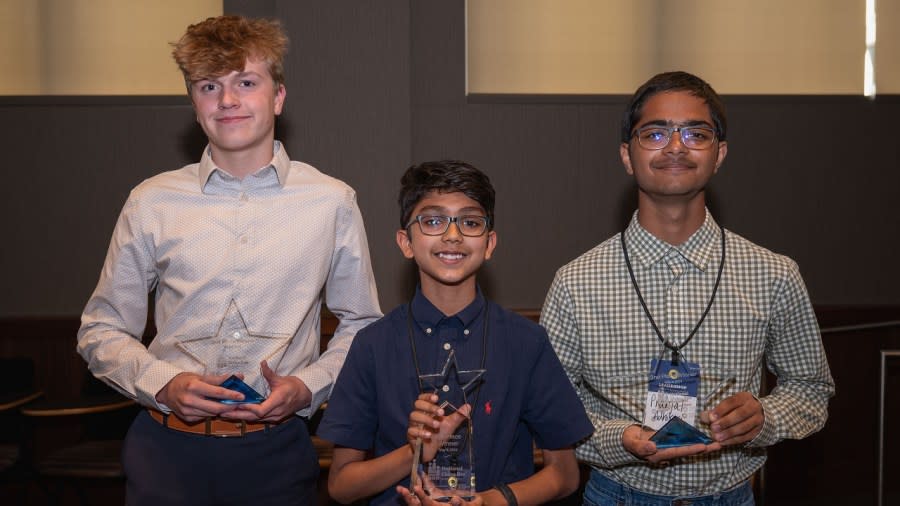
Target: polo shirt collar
427 316
699 249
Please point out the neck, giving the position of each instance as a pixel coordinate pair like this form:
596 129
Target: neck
450 299
242 163
672 222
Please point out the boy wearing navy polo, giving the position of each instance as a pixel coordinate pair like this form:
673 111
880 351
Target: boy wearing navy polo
523 398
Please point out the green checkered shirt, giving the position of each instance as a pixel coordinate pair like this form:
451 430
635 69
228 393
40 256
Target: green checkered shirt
761 314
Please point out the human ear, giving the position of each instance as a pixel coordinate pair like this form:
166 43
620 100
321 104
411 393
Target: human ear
280 94
625 154
405 243
720 156
491 244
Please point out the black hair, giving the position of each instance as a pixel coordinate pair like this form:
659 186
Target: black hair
674 81
444 176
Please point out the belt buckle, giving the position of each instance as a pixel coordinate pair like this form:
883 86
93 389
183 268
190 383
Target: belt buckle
209 432
682 502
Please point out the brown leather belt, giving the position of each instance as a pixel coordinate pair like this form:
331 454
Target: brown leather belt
216 427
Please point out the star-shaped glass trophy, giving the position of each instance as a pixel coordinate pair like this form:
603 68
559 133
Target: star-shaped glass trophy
445 466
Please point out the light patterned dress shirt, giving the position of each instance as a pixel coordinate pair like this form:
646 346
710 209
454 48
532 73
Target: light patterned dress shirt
760 315
240 269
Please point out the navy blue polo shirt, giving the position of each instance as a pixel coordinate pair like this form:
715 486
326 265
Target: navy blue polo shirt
524 396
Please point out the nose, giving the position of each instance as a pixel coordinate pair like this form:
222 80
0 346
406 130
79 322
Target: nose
675 145
227 99
452 233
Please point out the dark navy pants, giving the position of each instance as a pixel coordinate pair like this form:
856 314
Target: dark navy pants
167 467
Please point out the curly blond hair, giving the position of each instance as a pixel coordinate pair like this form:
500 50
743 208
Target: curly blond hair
221 45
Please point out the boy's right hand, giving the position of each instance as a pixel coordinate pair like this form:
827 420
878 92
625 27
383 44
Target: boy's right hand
191 396
634 441
428 422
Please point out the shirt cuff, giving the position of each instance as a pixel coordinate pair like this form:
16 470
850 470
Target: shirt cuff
608 441
768 435
154 378
320 388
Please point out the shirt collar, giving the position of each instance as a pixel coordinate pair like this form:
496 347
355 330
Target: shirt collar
426 315
647 249
280 161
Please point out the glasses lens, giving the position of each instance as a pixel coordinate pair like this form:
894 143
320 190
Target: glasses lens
653 138
433 225
697 138
472 225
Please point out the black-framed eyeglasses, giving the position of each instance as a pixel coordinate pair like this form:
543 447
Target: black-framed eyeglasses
436 224
693 137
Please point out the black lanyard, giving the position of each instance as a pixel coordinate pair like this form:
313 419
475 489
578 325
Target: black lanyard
676 350
415 356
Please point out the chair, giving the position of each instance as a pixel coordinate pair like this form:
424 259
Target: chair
103 417
16 390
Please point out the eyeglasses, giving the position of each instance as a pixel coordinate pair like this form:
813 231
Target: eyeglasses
469 226
658 137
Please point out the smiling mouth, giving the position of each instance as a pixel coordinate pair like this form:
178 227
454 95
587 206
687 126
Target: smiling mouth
232 119
453 256
674 165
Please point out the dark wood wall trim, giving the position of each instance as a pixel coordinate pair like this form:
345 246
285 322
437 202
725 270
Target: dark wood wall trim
93 100
50 341
621 100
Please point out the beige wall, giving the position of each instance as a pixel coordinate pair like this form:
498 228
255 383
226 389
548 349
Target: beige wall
20 47
610 46
887 47
95 47
114 47
536 46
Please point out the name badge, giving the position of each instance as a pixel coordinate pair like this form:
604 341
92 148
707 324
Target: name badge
672 391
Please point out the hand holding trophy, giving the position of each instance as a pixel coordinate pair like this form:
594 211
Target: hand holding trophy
441 432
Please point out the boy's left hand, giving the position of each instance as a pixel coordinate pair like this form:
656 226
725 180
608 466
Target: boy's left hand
287 395
428 422
419 498
735 420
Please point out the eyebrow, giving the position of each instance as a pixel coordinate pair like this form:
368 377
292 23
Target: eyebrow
248 73
466 211
667 123
239 75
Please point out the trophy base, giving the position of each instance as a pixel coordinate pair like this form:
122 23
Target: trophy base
448 498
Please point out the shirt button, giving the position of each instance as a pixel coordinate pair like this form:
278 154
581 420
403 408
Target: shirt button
243 239
428 331
237 334
446 346
445 388
466 332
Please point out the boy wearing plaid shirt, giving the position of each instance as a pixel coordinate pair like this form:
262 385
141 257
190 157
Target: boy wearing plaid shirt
677 299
